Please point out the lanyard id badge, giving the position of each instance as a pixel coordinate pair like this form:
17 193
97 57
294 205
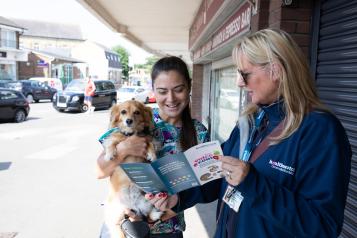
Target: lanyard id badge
233 198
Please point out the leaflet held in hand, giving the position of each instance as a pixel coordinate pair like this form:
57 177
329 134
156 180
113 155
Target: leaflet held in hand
177 172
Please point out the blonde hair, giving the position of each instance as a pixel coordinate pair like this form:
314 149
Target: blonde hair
296 85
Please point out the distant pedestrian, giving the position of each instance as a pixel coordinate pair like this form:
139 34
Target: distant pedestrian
89 93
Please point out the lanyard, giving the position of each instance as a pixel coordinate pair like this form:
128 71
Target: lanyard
249 146
108 133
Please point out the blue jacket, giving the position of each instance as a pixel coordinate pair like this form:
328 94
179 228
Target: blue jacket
296 188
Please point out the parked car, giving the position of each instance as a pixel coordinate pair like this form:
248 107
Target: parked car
72 97
133 93
51 82
13 105
11 84
35 91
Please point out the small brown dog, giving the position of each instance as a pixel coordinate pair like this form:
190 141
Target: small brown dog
130 117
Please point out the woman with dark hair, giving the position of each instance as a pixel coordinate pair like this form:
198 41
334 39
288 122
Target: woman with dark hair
174 129
171 83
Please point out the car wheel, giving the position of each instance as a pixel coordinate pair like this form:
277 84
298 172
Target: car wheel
59 110
37 100
20 116
84 108
29 98
146 100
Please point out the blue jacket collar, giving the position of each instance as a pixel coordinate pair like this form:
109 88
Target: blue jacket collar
275 112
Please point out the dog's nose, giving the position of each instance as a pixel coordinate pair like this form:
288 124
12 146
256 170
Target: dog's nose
129 121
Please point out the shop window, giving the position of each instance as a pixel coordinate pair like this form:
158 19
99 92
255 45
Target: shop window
8 38
7 71
228 104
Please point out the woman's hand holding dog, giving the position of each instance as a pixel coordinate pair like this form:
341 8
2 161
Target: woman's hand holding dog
133 146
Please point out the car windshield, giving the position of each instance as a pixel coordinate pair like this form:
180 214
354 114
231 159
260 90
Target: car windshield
76 86
126 90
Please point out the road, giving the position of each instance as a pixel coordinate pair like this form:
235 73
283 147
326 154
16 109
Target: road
48 185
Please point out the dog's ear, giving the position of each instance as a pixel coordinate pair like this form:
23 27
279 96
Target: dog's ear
114 115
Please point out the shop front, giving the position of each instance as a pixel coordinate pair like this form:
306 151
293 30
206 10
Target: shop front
219 73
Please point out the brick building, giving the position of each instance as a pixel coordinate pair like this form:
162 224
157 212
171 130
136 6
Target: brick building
10 54
50 45
46 64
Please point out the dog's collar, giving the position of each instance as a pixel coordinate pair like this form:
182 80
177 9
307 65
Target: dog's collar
145 132
126 133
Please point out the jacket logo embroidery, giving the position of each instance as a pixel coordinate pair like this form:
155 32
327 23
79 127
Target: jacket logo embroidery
282 167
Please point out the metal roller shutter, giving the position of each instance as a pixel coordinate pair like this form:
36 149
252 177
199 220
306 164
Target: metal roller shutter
336 78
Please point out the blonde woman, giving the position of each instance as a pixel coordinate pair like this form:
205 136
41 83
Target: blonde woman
291 177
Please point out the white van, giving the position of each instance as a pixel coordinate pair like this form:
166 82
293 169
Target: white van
52 82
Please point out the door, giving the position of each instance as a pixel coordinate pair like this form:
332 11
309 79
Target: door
36 90
46 92
110 92
99 95
7 104
334 61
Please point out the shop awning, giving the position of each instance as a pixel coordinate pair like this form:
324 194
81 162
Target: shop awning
160 27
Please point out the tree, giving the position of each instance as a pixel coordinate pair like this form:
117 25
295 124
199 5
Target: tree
124 59
150 61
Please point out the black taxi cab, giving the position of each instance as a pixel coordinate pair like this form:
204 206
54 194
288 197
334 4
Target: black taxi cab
72 97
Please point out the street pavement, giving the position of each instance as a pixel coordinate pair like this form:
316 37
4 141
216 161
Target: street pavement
48 184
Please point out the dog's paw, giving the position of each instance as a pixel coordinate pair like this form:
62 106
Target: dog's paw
107 157
151 157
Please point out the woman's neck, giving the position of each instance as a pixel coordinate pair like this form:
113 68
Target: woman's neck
175 121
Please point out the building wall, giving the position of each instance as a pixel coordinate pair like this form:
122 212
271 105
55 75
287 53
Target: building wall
10 57
31 69
94 56
206 95
197 94
52 44
294 19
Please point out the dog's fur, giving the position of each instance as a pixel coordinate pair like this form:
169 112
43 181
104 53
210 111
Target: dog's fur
131 117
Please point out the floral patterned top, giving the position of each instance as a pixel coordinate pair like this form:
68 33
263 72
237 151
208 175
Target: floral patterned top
169 136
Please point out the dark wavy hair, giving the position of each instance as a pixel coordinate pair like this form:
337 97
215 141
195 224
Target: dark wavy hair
188 136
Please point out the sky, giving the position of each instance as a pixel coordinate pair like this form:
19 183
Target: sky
70 11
